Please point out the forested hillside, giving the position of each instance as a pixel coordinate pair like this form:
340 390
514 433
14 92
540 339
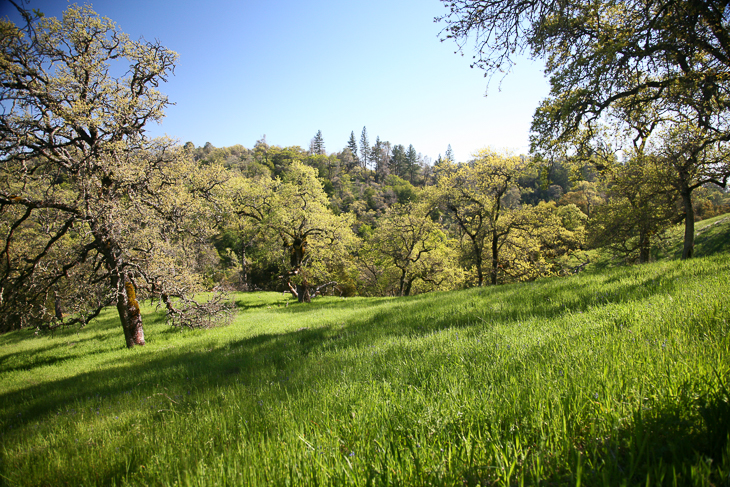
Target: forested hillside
419 227
551 318
94 213
618 377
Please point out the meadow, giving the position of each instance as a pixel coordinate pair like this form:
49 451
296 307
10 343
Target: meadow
613 376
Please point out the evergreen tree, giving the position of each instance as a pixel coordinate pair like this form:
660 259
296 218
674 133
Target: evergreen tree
398 160
352 145
411 163
364 148
379 158
449 154
317 146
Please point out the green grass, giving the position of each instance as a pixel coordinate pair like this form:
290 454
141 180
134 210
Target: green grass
612 378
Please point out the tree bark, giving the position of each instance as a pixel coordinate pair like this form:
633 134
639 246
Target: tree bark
480 272
689 224
495 257
644 246
303 294
402 286
244 269
407 290
129 313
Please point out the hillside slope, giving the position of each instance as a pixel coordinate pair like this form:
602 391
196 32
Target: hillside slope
612 378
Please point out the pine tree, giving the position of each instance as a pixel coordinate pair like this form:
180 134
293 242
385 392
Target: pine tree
398 160
449 154
411 163
317 145
364 148
380 158
352 145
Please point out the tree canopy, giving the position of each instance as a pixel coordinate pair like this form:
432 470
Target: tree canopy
92 212
664 64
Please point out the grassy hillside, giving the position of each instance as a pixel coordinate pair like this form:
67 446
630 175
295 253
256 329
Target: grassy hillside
712 236
612 378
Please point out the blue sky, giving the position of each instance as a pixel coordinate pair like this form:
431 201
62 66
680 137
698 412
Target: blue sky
288 68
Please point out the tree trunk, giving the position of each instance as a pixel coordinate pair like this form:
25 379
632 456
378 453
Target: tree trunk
244 268
407 290
129 313
644 246
402 287
303 294
495 259
689 224
479 262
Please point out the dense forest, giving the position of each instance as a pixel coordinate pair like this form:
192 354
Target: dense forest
390 223
93 213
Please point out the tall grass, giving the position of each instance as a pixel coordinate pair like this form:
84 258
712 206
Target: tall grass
613 378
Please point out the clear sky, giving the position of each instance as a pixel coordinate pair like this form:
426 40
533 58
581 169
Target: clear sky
287 69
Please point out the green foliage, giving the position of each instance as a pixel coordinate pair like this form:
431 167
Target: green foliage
364 148
408 249
91 211
317 146
652 75
292 220
501 238
612 378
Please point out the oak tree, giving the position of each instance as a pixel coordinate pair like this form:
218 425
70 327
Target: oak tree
93 213
310 244
613 62
410 243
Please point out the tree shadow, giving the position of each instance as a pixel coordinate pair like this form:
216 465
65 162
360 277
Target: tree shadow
674 439
710 240
278 357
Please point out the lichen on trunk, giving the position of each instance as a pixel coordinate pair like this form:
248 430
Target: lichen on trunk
129 313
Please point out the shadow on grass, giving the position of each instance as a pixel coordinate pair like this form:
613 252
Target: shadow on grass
412 316
713 239
274 358
682 440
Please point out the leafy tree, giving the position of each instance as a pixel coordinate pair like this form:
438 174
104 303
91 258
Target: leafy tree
504 239
692 160
618 62
93 213
585 195
308 241
281 158
639 207
473 194
411 242
348 160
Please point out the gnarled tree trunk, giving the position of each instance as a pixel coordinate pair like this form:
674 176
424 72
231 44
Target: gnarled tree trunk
129 313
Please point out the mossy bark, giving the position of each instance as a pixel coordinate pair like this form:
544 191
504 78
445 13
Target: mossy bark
129 313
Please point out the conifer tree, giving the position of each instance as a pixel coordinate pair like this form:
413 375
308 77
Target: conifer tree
449 154
352 145
317 146
411 163
398 160
364 148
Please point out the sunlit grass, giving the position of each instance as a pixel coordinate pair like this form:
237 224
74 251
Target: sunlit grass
612 378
